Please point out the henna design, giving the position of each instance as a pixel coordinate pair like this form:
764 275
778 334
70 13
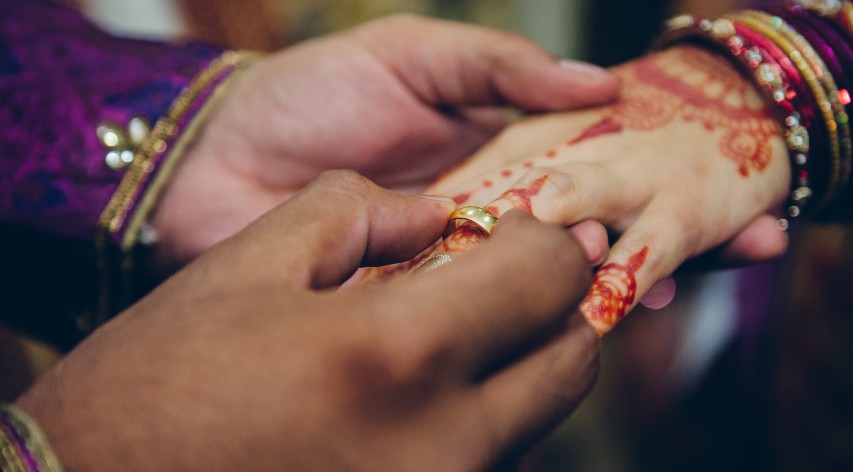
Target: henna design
608 125
612 293
520 197
696 86
465 237
462 198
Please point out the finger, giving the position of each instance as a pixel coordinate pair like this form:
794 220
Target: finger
578 192
530 397
493 300
461 64
648 252
339 222
762 240
660 295
592 237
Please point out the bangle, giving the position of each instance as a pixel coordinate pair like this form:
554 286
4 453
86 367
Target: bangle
759 23
23 447
830 47
838 129
776 82
808 175
122 221
840 11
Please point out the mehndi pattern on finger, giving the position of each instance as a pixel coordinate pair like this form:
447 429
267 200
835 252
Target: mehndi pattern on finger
521 198
613 292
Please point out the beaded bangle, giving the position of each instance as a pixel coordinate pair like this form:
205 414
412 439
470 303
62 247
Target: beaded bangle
823 103
771 78
23 447
838 129
122 220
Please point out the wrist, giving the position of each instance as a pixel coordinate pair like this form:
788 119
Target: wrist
23 446
124 221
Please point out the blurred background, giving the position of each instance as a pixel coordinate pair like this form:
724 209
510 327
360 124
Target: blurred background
748 369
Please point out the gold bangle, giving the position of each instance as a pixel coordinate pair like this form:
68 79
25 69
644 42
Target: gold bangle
845 16
823 103
480 217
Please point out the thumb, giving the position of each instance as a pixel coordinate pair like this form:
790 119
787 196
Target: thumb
339 222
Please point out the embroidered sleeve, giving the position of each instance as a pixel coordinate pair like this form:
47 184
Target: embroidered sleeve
69 94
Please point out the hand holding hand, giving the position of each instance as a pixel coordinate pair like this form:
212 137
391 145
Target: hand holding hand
249 359
399 100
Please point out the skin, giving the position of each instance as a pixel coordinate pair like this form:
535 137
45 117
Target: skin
250 359
399 111
689 161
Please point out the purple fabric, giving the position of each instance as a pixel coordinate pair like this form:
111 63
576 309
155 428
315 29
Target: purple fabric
59 77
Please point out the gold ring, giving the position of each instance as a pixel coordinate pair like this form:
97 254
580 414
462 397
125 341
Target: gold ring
476 215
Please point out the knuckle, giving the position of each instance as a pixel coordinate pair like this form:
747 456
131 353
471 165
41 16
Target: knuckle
402 22
553 182
409 355
414 358
345 182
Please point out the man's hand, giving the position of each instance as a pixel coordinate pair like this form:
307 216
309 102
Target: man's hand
399 100
249 359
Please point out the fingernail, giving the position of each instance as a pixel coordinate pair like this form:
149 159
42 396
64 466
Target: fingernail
600 259
660 295
590 70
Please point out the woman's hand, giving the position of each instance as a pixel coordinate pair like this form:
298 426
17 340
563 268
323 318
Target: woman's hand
399 100
689 160
249 359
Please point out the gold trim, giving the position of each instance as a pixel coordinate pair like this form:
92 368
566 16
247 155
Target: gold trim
114 216
145 205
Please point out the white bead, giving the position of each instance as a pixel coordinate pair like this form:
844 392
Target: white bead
113 160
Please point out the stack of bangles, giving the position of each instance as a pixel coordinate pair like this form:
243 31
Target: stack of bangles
799 56
23 447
